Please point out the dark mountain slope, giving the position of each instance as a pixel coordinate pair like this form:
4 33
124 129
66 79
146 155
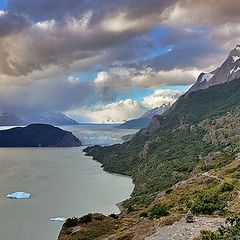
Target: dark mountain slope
137 123
175 143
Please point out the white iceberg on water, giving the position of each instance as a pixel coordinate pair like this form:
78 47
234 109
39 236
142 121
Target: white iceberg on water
19 195
58 219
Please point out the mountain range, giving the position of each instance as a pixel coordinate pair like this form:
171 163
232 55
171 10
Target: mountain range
145 119
186 159
54 118
174 141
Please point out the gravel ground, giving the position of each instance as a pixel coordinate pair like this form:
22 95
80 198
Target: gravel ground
186 231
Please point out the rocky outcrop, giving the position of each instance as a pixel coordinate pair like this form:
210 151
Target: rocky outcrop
127 137
38 135
154 125
224 131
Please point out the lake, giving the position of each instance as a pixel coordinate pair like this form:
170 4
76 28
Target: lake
63 183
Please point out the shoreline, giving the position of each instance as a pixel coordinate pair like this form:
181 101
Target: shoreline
119 205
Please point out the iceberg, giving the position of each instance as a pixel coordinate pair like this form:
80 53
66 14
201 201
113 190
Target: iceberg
19 195
58 219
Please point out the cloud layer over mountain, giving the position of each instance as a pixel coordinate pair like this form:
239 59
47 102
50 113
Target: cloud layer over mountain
66 54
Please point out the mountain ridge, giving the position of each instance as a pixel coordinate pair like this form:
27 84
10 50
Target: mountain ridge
38 135
171 129
186 159
146 118
228 71
53 118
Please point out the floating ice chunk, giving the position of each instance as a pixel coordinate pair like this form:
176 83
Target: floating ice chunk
58 219
19 195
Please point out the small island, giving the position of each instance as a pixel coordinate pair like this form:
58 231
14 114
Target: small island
38 135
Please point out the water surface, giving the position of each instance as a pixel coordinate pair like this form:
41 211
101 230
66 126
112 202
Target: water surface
63 183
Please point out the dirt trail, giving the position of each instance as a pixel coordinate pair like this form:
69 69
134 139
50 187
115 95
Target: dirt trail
186 231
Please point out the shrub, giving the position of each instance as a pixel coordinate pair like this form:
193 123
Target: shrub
130 208
114 216
168 191
159 210
208 203
229 232
208 235
85 219
143 214
99 217
71 222
226 187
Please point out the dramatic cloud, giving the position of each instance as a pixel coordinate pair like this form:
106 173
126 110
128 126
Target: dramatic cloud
117 45
161 96
56 9
56 95
203 13
64 32
115 112
123 79
120 111
10 23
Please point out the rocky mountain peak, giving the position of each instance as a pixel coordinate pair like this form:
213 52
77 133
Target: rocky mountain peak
157 110
235 52
228 71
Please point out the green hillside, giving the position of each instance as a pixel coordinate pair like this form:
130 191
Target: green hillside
176 143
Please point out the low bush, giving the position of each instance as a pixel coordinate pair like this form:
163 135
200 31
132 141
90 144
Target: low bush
85 219
226 187
208 203
114 216
130 208
143 214
168 191
229 232
159 210
71 222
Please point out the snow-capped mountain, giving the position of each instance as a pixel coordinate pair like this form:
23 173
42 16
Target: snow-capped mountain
145 119
157 111
10 119
227 72
54 118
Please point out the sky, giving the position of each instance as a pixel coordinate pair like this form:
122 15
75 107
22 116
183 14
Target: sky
97 60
